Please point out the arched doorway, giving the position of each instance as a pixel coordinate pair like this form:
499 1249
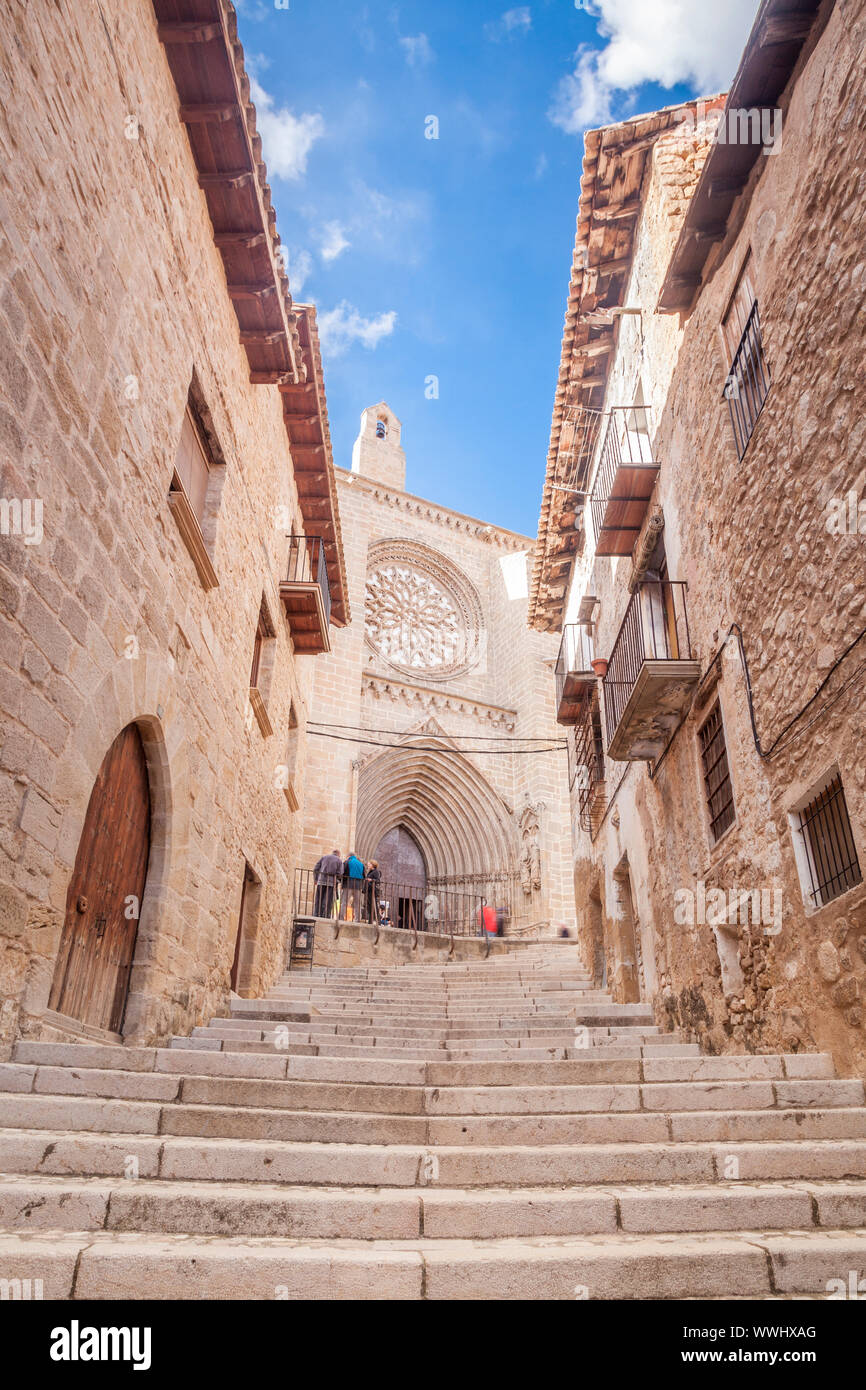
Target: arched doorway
627 969
103 902
404 876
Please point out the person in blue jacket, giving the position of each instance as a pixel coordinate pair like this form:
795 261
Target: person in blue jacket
353 879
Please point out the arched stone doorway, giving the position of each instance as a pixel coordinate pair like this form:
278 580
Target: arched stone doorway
404 876
103 900
465 833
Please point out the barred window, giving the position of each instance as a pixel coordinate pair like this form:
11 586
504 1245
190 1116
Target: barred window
717 774
829 852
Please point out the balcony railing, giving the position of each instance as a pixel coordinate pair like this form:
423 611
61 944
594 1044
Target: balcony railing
574 674
624 481
306 595
650 672
748 382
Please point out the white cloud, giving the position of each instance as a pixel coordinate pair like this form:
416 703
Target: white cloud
516 21
333 242
286 138
662 41
299 270
393 225
417 50
541 166
255 10
341 327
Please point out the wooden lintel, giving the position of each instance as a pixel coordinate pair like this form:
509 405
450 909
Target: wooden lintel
245 239
207 112
308 448
183 31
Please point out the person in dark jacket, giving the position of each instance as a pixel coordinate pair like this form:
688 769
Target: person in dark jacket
327 875
353 878
373 879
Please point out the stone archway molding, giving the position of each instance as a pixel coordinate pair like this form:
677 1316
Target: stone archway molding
139 690
430 787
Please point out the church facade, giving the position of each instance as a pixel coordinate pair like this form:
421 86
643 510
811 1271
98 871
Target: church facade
433 745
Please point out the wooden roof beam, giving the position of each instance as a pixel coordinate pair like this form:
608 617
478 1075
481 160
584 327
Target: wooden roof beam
225 178
187 31
207 112
247 239
790 26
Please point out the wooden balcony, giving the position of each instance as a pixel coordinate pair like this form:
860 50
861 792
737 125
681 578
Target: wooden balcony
306 596
624 481
575 678
651 674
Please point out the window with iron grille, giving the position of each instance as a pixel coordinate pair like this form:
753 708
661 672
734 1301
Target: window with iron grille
717 774
829 852
748 379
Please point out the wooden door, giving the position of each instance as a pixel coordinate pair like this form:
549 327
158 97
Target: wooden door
91 978
249 880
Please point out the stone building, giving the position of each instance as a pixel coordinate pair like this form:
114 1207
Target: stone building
456 779
702 537
170 558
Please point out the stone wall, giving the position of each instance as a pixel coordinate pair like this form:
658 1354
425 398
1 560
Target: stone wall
751 539
112 295
356 944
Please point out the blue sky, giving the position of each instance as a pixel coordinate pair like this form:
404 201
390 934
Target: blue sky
450 257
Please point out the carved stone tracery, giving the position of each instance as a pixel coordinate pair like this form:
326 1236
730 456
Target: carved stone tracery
423 614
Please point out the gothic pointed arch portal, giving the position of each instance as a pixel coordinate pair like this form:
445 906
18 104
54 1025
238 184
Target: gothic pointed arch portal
462 827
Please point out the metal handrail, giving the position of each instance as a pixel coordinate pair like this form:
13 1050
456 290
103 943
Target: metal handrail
655 628
436 910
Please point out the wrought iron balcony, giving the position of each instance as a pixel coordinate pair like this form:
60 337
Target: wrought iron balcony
306 595
748 382
624 481
575 677
650 675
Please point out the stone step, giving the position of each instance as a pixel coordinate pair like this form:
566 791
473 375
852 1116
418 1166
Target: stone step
235 1027
119 1265
584 1097
792 1066
316 1213
219 1159
350 1050
31 1111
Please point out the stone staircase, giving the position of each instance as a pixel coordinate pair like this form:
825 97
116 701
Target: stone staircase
491 1130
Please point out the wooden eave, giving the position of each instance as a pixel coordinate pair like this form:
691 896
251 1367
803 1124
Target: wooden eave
781 30
611 198
280 339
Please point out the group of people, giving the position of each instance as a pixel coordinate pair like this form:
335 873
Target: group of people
349 889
